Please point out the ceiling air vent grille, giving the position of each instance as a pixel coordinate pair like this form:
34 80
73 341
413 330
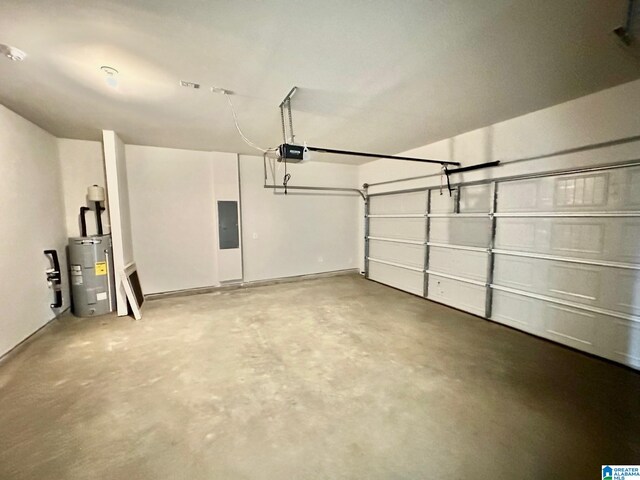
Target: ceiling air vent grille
184 83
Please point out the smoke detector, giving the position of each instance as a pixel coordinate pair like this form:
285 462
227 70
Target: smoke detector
111 75
12 53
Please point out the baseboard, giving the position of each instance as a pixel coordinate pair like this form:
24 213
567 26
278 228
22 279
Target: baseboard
255 283
23 343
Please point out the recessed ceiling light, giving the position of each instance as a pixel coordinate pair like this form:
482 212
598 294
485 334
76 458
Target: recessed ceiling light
111 74
12 53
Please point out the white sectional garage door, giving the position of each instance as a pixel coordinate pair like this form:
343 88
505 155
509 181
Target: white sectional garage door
557 256
397 233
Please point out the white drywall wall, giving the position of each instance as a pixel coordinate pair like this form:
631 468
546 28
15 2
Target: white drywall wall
119 211
82 165
173 217
173 195
302 232
32 219
227 188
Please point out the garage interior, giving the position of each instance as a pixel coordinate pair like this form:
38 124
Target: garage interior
257 240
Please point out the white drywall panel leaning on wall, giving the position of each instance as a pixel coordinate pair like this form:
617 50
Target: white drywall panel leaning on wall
119 211
173 217
82 164
302 232
32 219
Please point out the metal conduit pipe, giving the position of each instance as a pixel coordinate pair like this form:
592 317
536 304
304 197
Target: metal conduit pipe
307 187
99 211
322 189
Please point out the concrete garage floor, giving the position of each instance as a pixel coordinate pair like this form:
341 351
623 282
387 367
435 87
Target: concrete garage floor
326 378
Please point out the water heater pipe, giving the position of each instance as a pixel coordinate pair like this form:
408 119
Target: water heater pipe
83 221
99 210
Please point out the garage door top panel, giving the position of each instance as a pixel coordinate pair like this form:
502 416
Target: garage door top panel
403 203
605 191
473 199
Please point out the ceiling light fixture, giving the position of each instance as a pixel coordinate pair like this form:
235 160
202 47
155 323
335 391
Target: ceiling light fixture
12 53
111 75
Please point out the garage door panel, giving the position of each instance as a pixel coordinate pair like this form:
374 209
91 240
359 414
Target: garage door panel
622 291
517 234
613 190
473 199
401 278
404 203
624 342
516 311
462 295
592 238
476 198
575 282
556 194
571 326
577 237
627 240
610 337
413 229
472 265
514 272
402 253
580 283
442 203
519 196
472 232
566 325
631 189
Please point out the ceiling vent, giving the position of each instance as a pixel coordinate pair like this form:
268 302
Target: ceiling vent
184 83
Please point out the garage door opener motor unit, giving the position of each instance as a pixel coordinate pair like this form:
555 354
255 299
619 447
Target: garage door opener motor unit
91 264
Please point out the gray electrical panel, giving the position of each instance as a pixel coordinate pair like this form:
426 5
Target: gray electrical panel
228 224
91 275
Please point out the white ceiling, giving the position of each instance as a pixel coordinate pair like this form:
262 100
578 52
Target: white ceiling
373 75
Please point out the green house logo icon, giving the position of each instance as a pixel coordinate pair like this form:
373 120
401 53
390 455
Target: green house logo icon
607 473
